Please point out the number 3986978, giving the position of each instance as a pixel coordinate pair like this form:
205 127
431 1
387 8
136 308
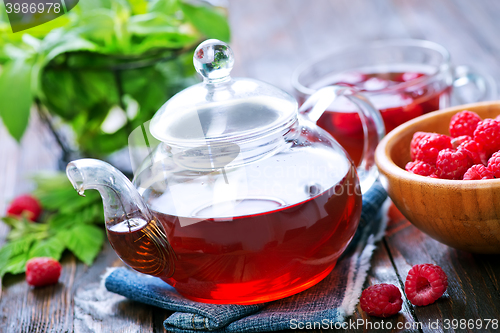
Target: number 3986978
25 7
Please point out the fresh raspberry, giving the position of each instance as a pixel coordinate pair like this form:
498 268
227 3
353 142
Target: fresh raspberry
494 164
381 300
478 172
464 123
429 147
415 140
455 142
487 134
452 164
425 283
25 204
420 168
474 150
42 271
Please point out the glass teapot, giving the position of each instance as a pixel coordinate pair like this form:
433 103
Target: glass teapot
244 199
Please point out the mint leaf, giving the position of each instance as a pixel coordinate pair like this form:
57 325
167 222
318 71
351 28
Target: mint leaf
11 221
84 240
168 7
59 222
15 265
50 180
5 253
19 246
52 247
14 254
15 96
22 229
138 6
207 20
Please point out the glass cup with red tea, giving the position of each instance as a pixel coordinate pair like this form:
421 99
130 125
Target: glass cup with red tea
402 78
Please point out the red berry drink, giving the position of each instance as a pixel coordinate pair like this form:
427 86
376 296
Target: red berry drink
247 258
400 93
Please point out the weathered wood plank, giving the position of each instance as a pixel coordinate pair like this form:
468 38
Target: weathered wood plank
471 292
382 271
78 303
97 310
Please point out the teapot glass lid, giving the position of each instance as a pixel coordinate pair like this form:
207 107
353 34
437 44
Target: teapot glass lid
221 108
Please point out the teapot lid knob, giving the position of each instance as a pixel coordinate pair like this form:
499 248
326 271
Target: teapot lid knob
213 60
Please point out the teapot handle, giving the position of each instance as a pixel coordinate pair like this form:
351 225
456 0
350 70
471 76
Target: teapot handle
373 125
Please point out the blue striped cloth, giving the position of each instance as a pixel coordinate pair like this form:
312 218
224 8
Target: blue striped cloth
328 302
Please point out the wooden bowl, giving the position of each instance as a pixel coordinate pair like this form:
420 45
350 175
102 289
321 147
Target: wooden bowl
461 214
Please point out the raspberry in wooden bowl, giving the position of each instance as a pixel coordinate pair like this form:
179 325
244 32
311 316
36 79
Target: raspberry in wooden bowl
464 214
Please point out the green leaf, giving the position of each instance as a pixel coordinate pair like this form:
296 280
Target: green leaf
32 41
19 246
48 180
15 96
98 27
70 44
55 192
159 31
15 265
80 203
151 23
92 214
91 5
4 259
58 222
22 228
207 20
74 228
14 255
168 7
52 247
11 221
16 52
84 240
138 6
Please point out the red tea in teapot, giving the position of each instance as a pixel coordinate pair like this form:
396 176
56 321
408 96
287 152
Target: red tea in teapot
250 258
241 200
143 246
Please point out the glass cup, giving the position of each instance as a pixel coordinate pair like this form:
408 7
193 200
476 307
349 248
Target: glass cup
402 78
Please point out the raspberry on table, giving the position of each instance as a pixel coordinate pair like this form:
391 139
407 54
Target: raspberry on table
381 300
420 168
415 140
487 134
478 172
494 164
429 147
452 164
26 204
464 123
425 283
474 150
42 271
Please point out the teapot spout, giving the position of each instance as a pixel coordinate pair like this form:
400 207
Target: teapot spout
134 232
120 198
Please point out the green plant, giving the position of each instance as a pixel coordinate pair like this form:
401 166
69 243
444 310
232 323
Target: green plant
106 67
75 225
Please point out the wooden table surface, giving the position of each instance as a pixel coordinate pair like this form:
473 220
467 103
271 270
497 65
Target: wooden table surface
270 38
